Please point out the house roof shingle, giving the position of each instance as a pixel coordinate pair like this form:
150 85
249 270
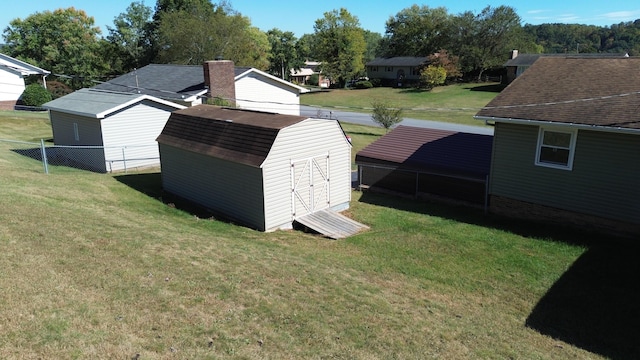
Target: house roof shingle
529 59
242 136
603 92
431 150
22 67
398 61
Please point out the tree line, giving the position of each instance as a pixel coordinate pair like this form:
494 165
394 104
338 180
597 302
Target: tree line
67 42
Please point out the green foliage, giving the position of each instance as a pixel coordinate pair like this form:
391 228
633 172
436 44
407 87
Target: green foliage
385 115
450 63
363 84
64 41
340 45
314 79
131 38
284 53
35 95
218 101
432 76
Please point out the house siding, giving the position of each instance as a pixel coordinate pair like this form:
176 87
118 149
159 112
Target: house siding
136 129
12 86
227 188
309 138
89 134
266 95
589 188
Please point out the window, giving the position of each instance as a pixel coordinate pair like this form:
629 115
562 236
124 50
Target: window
556 148
389 68
373 68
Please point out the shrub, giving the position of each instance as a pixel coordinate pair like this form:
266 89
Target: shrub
433 76
314 79
376 82
385 115
363 85
35 95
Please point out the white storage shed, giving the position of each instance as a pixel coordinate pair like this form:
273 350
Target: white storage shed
263 170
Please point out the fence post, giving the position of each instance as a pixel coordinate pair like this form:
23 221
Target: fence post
43 150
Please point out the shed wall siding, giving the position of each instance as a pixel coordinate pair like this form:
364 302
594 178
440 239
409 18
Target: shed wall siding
309 138
11 85
135 128
228 188
89 134
603 181
266 95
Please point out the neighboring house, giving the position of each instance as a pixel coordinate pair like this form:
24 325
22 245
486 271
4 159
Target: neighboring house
421 161
518 63
396 71
122 127
567 143
304 74
188 85
263 170
12 74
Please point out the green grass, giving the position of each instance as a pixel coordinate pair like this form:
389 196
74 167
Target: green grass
97 266
453 103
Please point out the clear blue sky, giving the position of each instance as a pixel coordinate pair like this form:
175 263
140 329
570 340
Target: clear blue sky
299 16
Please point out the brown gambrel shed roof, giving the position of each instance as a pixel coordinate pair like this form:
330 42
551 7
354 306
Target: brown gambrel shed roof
431 151
595 92
241 136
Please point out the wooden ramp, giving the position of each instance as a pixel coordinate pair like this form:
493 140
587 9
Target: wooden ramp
331 224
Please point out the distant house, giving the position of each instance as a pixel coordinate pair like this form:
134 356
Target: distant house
423 162
518 63
188 85
304 74
260 169
105 131
567 143
12 74
396 71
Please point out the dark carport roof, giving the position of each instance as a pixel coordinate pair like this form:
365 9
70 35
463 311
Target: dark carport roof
241 136
431 151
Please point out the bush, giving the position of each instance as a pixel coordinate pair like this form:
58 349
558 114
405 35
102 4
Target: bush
35 95
363 85
376 82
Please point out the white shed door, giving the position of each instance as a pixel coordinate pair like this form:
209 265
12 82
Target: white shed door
310 185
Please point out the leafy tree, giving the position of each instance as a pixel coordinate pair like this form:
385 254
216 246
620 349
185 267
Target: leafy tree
35 95
340 45
372 39
385 115
417 31
305 46
131 38
221 32
284 53
64 42
450 63
433 75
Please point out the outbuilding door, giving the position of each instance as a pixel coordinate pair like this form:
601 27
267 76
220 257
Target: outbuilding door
310 185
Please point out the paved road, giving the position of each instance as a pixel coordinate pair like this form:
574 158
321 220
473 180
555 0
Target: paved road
365 119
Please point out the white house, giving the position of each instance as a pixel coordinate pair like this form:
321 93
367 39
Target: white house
105 131
189 85
263 170
12 74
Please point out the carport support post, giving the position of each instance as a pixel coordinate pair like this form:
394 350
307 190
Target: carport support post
43 150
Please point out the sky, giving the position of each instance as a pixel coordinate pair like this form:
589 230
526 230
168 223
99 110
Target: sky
299 16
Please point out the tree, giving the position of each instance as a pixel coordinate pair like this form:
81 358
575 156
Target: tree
372 40
450 63
433 75
284 53
131 37
64 42
385 115
221 32
417 31
340 45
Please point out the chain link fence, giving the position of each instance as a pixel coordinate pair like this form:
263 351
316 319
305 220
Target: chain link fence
41 156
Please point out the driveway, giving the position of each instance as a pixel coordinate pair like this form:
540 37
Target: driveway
365 119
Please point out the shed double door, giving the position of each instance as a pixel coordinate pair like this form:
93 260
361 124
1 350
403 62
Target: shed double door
310 185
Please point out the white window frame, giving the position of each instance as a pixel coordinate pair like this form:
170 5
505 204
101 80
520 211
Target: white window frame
572 147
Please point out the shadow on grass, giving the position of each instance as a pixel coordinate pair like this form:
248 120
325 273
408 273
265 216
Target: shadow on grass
488 88
149 184
595 305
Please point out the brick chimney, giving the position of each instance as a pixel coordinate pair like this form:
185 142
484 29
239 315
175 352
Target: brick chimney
219 78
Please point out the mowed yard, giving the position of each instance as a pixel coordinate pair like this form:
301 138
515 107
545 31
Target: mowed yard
97 266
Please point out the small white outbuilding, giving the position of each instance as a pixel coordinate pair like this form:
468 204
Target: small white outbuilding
263 170
108 131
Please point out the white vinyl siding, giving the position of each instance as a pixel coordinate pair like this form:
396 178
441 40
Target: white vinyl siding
309 138
11 85
266 95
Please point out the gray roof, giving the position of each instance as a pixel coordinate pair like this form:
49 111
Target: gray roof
167 81
242 136
398 61
599 93
529 59
99 103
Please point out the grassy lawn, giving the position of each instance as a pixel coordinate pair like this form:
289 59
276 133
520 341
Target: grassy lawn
454 103
97 266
